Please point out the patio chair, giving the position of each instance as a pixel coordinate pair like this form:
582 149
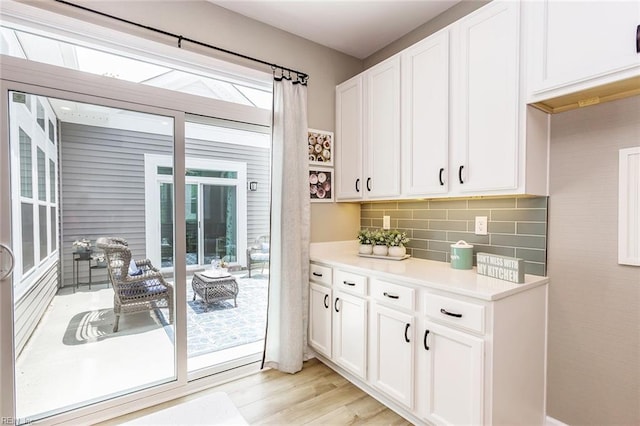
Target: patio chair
138 286
258 253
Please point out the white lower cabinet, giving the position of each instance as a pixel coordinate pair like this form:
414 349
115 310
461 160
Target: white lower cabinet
392 353
432 355
320 318
451 376
350 333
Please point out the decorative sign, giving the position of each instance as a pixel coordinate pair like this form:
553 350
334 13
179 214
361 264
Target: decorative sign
501 267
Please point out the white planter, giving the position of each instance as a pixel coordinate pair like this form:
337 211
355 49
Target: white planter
365 249
397 251
380 250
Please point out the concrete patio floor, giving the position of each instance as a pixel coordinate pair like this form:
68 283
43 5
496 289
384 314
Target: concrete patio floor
73 357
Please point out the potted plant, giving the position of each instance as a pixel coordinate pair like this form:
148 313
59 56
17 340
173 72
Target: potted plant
380 242
396 241
366 242
83 248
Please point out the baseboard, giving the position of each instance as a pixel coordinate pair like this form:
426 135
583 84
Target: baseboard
550 421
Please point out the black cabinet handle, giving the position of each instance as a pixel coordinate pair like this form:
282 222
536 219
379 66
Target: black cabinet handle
349 283
369 184
358 185
440 176
326 301
460 174
451 314
406 329
335 304
426 334
315 274
391 296
638 39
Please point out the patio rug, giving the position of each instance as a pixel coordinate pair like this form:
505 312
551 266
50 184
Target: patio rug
220 325
210 328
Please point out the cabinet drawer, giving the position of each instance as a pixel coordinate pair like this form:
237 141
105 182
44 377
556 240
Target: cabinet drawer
350 282
466 315
320 274
393 294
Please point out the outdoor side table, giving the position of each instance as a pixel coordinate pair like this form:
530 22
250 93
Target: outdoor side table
214 289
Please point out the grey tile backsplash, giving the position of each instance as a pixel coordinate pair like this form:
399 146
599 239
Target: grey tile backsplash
517 227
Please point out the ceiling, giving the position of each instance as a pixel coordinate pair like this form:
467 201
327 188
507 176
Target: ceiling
356 27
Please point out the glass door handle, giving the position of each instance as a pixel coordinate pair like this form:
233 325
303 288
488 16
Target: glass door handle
4 274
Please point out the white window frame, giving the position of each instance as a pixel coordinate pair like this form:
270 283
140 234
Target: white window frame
152 181
22 117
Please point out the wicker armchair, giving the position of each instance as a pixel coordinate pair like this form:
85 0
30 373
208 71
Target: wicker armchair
146 291
258 253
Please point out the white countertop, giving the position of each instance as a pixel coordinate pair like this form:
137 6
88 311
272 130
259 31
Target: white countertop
428 273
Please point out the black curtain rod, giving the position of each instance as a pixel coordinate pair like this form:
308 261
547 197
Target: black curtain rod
302 77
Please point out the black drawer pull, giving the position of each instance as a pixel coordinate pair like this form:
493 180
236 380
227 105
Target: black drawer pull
451 314
326 301
440 176
406 329
638 39
358 185
369 184
349 283
391 296
460 174
315 274
335 304
426 334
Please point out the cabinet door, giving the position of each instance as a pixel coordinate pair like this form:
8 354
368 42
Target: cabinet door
487 93
575 41
382 129
425 116
453 392
320 319
349 184
392 353
350 333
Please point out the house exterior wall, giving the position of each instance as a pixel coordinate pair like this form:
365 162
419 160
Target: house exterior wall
103 186
594 303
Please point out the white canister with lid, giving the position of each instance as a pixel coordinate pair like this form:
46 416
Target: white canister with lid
461 255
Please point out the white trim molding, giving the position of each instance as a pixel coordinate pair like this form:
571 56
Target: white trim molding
629 207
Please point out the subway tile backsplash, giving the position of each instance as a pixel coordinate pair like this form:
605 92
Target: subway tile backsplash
517 227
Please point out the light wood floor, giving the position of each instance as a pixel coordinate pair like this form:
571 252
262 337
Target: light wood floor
315 396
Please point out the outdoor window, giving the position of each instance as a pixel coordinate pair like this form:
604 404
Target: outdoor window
42 176
26 185
35 221
93 59
52 132
40 117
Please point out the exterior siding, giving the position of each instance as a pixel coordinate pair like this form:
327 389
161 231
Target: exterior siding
103 186
32 306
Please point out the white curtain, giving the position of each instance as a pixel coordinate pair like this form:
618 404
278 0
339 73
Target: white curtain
286 337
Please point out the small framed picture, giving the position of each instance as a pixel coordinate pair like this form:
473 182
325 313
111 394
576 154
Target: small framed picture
321 184
320 147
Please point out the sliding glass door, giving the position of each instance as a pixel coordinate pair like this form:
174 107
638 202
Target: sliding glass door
86 327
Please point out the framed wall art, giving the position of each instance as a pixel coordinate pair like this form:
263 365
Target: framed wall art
321 184
320 147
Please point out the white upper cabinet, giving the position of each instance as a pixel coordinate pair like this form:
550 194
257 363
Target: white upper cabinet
425 116
349 139
486 134
576 45
368 134
382 129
